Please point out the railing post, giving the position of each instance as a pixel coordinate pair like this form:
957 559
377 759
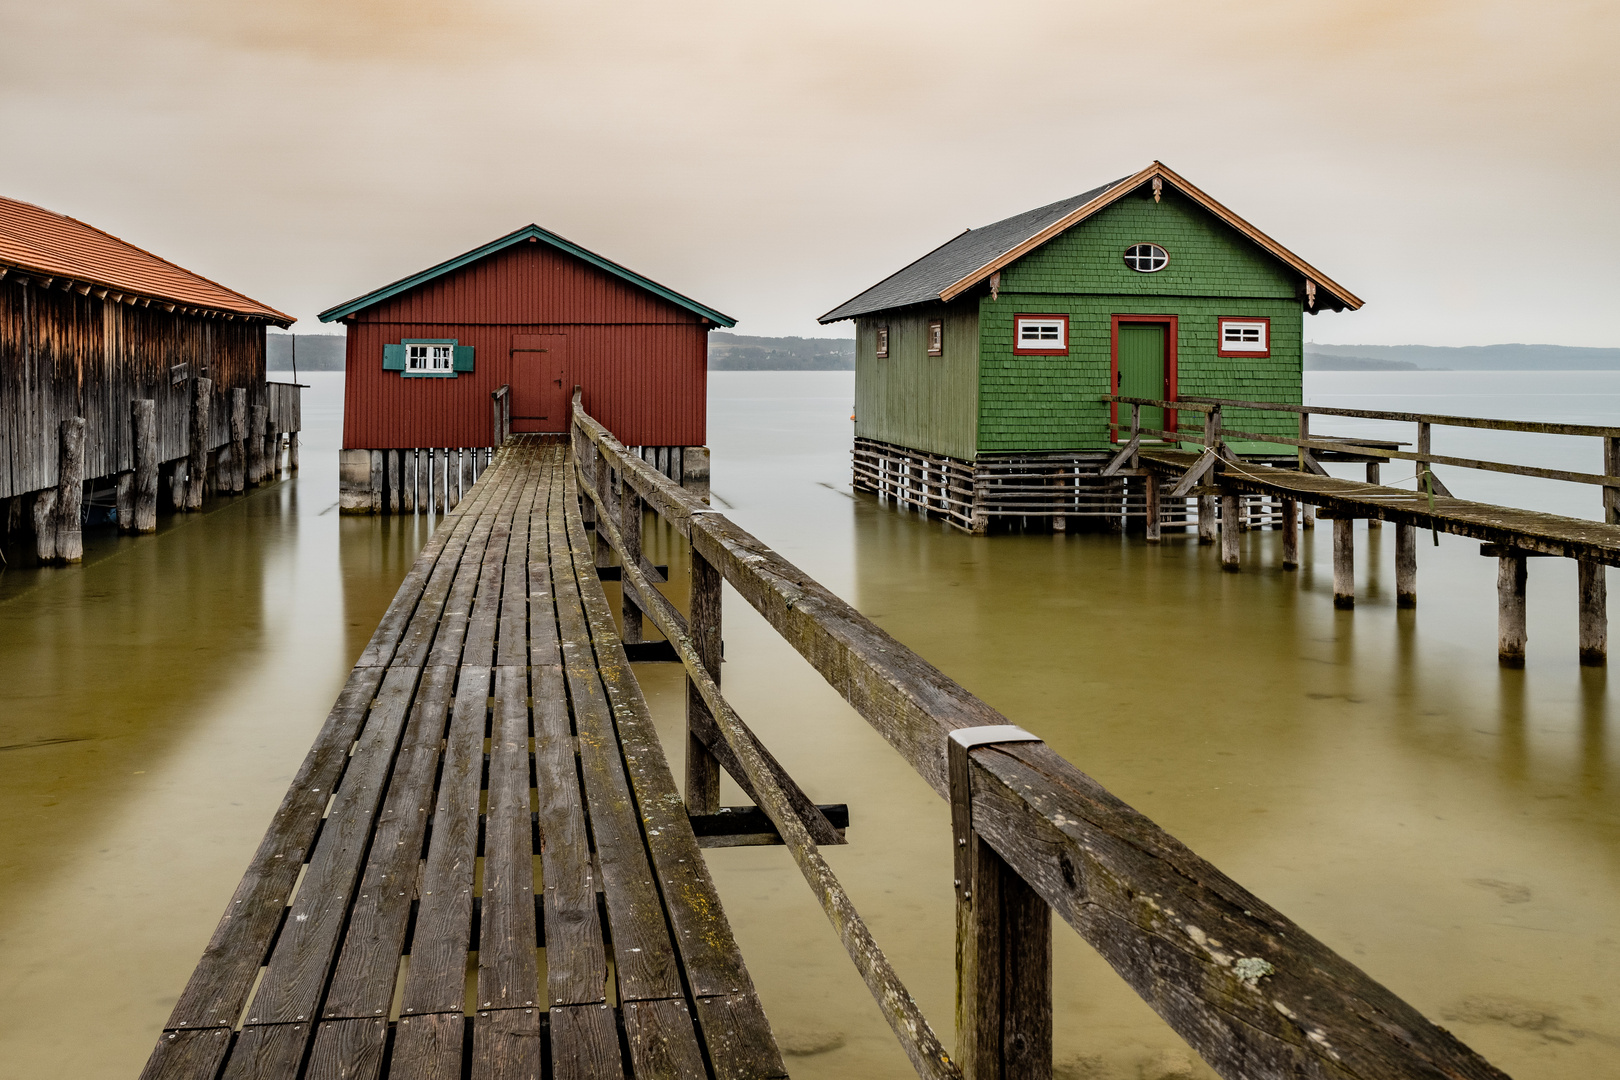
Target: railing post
1425 478
604 491
1372 478
630 531
1611 467
1304 436
1003 943
702 769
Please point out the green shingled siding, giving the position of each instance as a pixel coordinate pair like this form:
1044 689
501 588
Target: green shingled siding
913 399
1052 402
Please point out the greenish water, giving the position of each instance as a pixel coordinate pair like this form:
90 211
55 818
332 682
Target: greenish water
1452 828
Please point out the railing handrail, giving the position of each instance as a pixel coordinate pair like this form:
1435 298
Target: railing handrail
1250 991
1534 427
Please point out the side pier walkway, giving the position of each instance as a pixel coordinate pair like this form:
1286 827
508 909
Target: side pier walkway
484 867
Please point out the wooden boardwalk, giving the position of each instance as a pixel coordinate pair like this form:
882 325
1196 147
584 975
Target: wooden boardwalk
1508 527
484 867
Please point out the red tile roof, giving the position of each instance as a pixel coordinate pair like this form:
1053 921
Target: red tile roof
51 245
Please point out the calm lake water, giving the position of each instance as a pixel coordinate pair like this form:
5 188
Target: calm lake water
1451 827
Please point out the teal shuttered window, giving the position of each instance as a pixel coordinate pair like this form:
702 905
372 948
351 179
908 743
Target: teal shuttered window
393 357
440 358
464 357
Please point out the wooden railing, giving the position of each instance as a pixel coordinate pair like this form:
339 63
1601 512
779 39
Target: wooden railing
501 404
1256 996
1308 446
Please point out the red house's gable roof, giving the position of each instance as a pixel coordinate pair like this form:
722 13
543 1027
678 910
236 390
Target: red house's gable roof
55 246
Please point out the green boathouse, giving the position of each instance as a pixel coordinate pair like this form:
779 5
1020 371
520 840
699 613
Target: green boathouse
983 369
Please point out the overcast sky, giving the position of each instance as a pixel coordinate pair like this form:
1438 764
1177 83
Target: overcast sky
1453 163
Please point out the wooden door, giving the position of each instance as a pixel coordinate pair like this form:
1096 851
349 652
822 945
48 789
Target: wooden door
540 386
1142 370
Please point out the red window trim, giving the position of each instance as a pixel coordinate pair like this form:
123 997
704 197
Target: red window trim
932 323
1220 336
1172 335
1064 319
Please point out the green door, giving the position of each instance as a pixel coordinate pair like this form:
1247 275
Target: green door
1141 372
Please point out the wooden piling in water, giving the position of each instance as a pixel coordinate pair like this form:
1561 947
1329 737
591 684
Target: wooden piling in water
1231 526
143 421
1208 525
702 769
238 420
1290 534
70 491
376 480
1510 626
1151 495
292 451
1344 562
45 525
258 416
200 417
1594 614
394 470
125 501
1405 566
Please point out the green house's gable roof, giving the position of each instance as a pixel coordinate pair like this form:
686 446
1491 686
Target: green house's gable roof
527 233
972 257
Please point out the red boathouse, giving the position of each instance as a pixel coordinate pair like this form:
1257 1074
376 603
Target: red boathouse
443 363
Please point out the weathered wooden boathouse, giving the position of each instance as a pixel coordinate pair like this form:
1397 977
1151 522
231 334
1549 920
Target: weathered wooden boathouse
443 364
983 369
123 377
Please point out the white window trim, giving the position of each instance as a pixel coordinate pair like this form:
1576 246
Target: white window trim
1058 341
1253 336
430 358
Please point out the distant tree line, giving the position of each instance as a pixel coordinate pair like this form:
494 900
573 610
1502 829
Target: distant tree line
734 352
1459 358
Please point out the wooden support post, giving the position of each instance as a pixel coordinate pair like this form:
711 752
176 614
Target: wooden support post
702 770
441 487
1304 436
1307 516
630 512
143 425
1405 566
292 451
70 491
1150 495
1372 478
375 480
1594 605
125 501
1003 953
177 485
407 481
1510 628
1230 527
258 416
1611 467
1208 525
45 525
200 419
1290 537
1344 562
238 441
396 472
272 447
467 477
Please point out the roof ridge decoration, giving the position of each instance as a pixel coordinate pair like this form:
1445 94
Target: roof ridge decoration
1319 288
528 232
42 242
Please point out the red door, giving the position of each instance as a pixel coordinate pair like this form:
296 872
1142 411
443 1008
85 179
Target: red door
540 382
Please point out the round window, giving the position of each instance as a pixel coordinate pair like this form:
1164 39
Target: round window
1146 258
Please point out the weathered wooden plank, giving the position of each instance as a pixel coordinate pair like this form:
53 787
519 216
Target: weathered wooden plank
512 644
268 1052
584 1044
739 1039
348 1050
368 964
661 1040
302 957
435 981
188 1055
508 974
459 558
507 1044
483 622
219 986
428 1047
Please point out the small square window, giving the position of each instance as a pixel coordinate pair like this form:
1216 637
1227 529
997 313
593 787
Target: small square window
1245 337
936 337
1041 335
882 342
430 359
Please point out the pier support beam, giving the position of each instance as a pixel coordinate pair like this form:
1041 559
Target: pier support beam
1406 566
1290 531
238 441
258 416
292 451
702 769
1208 526
1344 563
70 491
1594 606
1510 627
1150 494
143 422
201 420
1231 526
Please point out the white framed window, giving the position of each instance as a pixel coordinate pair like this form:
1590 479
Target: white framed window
428 359
936 337
1245 337
1146 258
1040 335
882 348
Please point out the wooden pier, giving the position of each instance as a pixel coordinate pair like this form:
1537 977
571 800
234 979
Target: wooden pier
486 869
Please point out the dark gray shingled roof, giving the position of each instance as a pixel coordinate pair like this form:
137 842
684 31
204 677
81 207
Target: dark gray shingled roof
949 263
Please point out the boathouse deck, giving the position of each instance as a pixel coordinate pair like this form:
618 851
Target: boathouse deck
484 866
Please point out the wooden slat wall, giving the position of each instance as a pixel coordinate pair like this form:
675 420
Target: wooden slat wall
64 355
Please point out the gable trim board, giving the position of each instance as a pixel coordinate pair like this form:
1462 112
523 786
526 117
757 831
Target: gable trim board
524 235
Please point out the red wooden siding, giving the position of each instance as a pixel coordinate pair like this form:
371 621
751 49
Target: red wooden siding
642 360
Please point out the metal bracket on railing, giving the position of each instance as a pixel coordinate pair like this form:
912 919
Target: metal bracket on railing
957 746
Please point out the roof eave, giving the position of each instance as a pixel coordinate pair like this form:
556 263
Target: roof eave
535 232
260 313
